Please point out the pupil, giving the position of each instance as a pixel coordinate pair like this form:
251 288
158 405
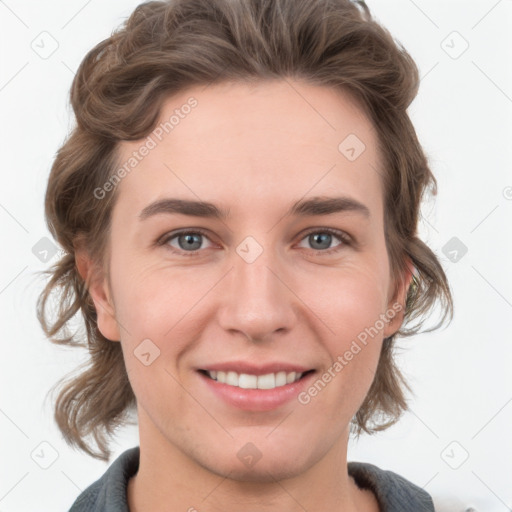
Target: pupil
324 236
190 241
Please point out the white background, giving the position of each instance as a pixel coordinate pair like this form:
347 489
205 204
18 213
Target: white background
461 374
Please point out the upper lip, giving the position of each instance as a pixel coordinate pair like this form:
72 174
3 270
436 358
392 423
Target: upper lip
254 369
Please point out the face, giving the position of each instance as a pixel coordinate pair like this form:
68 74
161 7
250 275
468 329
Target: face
285 277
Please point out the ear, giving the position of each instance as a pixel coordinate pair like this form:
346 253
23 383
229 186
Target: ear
98 287
396 306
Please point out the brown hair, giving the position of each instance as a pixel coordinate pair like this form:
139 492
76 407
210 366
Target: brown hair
117 93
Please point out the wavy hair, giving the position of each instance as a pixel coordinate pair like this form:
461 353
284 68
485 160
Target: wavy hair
117 93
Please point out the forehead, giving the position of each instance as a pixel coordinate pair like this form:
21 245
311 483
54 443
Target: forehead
247 144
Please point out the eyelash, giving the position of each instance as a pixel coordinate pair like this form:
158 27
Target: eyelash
344 238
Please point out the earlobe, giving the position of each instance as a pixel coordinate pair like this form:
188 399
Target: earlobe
397 305
99 291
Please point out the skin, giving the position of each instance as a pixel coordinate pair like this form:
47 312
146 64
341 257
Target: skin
264 146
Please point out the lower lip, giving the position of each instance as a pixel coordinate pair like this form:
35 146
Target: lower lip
257 399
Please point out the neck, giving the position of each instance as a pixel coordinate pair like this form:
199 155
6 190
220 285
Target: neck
169 479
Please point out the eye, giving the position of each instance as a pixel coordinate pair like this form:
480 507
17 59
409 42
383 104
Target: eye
321 239
190 242
187 242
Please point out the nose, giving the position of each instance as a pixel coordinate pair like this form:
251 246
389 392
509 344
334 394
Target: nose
258 299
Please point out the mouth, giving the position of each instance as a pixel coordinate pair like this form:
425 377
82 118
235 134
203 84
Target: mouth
255 389
252 381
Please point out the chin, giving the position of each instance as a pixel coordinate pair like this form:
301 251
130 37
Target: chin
248 462
262 472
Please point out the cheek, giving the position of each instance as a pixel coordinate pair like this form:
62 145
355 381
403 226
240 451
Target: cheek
159 303
351 306
149 299
156 313
350 301
165 306
351 310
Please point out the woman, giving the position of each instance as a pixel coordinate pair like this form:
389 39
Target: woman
238 203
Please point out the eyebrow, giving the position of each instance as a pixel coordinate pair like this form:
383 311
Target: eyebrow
305 207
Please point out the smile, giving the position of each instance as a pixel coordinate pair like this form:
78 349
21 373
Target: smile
248 381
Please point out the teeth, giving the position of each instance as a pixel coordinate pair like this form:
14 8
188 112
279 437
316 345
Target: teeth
290 377
267 381
280 379
232 378
246 381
